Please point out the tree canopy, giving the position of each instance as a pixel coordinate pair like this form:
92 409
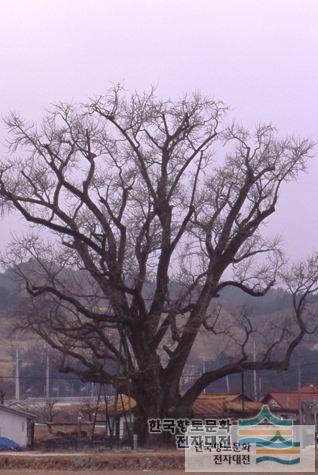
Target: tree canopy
151 207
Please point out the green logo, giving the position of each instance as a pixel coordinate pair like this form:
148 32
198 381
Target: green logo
273 437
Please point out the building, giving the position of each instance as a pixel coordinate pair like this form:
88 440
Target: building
206 406
283 403
17 425
289 404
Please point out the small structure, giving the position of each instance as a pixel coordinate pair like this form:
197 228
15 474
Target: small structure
283 403
286 404
17 425
59 417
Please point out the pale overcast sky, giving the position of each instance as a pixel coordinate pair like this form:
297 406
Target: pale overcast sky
259 56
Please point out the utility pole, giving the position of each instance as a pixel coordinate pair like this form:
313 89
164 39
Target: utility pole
254 373
315 416
243 392
314 405
227 379
17 370
315 409
47 373
203 371
300 411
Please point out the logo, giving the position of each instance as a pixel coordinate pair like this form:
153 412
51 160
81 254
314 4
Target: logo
274 438
264 443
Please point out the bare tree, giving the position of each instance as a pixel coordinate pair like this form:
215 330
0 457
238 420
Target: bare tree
88 409
150 208
46 411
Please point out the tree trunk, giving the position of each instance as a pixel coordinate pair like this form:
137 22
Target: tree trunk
151 404
157 404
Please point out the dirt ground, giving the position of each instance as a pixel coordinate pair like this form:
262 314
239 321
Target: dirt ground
117 463
115 472
92 472
91 462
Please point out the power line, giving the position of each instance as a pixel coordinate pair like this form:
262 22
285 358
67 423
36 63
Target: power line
50 378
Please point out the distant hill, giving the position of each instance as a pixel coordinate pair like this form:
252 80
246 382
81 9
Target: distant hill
208 351
231 298
275 300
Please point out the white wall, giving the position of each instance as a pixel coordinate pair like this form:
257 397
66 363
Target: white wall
14 427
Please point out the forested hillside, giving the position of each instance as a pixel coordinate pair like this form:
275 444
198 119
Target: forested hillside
206 353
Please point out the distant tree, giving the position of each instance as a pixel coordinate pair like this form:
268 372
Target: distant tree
2 395
46 411
88 409
158 206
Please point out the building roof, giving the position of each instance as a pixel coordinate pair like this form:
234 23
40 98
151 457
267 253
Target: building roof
206 405
227 396
289 400
123 405
17 412
309 389
222 405
250 407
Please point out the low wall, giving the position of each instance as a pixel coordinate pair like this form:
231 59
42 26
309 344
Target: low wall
95 461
